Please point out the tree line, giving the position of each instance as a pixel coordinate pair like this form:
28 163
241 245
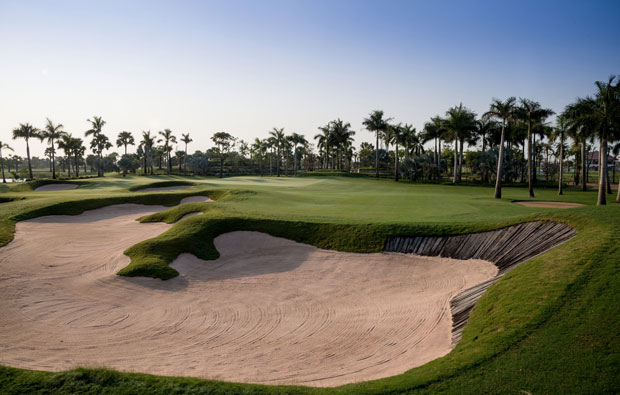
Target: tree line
507 134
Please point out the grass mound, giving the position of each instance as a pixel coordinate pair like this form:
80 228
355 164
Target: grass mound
32 185
160 184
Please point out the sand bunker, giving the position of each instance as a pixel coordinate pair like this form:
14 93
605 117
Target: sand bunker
55 187
164 189
268 311
542 204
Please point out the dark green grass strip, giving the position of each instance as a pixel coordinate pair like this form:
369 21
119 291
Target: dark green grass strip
160 184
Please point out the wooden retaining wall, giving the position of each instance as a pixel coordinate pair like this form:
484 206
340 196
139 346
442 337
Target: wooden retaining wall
506 248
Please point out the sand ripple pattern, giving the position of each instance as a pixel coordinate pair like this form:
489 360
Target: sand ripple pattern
268 311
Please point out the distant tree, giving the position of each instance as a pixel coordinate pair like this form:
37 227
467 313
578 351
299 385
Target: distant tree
297 140
128 163
77 150
601 113
168 138
180 156
224 142
26 131
559 133
323 142
52 133
199 163
98 143
147 143
278 136
503 110
531 112
435 131
259 148
5 147
460 124
185 139
377 124
124 139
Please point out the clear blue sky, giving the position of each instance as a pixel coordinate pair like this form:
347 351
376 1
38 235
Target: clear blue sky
247 66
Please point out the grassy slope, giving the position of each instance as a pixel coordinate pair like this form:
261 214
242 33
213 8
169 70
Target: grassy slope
548 326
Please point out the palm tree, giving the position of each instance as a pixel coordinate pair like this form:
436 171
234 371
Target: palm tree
531 112
397 136
124 139
224 143
377 124
77 150
297 140
409 139
99 143
341 137
560 133
503 110
97 124
26 131
185 139
434 130
323 142
3 146
278 135
52 133
460 123
259 147
168 138
148 142
64 144
602 113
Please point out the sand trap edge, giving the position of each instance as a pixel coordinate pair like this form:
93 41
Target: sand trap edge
506 248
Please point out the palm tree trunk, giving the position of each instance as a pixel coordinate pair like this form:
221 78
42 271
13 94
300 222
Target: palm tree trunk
584 176
295 161
278 162
530 175
53 161
602 172
561 175
77 166
439 156
2 165
28 154
461 160
607 177
221 165
456 157
396 163
260 164
377 155
500 164
169 161
185 160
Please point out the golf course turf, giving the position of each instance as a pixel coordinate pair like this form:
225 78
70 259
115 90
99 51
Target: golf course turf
550 325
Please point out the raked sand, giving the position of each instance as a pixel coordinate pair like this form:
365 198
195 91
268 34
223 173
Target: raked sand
268 311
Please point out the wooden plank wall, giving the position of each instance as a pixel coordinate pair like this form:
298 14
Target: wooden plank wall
506 248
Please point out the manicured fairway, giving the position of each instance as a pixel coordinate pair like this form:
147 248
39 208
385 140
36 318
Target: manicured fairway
548 326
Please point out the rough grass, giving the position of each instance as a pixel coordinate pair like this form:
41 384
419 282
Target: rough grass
549 326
